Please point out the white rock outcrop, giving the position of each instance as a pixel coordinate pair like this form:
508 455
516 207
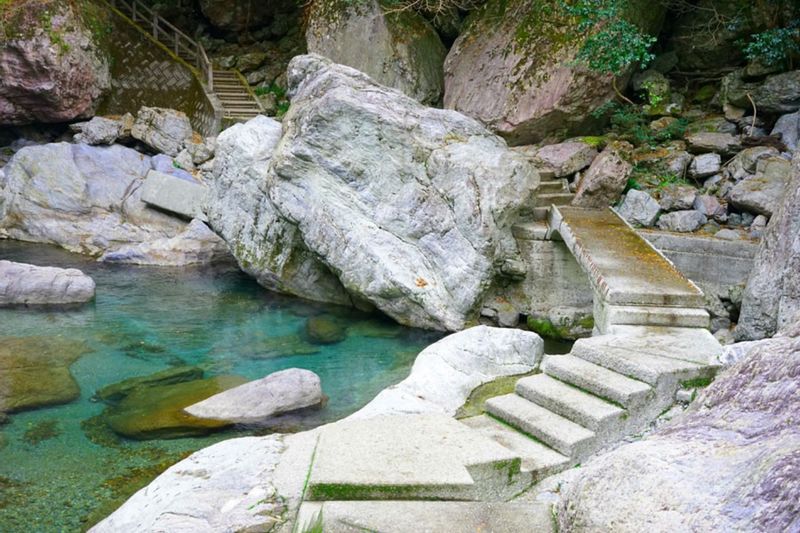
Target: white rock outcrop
409 208
21 283
257 401
446 372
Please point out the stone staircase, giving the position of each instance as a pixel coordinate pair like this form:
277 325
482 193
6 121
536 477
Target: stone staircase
551 191
608 387
228 86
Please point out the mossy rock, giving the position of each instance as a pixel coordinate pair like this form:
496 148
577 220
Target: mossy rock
379 329
41 431
157 412
325 329
117 391
34 372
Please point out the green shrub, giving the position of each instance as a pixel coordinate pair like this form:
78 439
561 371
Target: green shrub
775 46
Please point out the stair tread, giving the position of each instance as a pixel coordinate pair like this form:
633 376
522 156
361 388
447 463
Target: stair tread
535 456
564 435
597 379
637 365
565 400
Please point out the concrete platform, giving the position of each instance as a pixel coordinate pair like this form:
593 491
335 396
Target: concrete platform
425 517
623 268
410 457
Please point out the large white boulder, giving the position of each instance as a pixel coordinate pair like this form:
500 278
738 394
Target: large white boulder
257 401
409 207
21 283
86 199
446 372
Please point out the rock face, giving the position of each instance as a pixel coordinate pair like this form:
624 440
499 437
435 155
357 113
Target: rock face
446 372
398 49
605 179
21 283
775 94
52 68
197 244
165 130
564 159
639 208
788 127
258 401
728 464
83 198
264 243
772 298
238 15
514 70
412 214
762 193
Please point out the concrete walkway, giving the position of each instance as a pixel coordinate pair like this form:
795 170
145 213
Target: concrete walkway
634 283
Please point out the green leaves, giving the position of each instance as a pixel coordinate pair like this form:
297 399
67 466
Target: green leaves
775 46
613 43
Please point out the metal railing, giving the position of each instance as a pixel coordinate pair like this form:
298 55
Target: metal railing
181 44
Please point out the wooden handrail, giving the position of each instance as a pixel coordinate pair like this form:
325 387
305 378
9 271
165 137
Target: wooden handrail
139 12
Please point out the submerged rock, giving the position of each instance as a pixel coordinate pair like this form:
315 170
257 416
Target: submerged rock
395 47
258 401
412 214
21 283
117 391
86 199
771 300
34 372
52 65
729 463
158 412
325 330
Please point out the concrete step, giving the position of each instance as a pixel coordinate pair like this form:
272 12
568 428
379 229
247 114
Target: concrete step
608 315
423 517
695 345
531 231
600 381
638 365
551 186
553 198
538 459
554 430
411 457
582 408
541 213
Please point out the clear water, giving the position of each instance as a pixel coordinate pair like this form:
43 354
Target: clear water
145 320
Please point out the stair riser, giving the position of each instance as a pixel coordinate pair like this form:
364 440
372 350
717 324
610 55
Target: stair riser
551 187
546 200
599 388
607 315
595 423
569 449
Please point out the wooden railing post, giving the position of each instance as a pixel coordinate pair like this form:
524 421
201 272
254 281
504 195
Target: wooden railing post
133 16
155 25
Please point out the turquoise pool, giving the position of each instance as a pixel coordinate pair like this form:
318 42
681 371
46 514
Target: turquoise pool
60 470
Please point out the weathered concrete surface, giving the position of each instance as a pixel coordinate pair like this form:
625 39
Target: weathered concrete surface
404 517
21 283
772 296
446 372
729 463
706 259
605 245
409 457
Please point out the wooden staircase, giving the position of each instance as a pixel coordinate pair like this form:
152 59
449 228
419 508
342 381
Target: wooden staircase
228 86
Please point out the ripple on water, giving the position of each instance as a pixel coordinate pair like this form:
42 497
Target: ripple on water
62 468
